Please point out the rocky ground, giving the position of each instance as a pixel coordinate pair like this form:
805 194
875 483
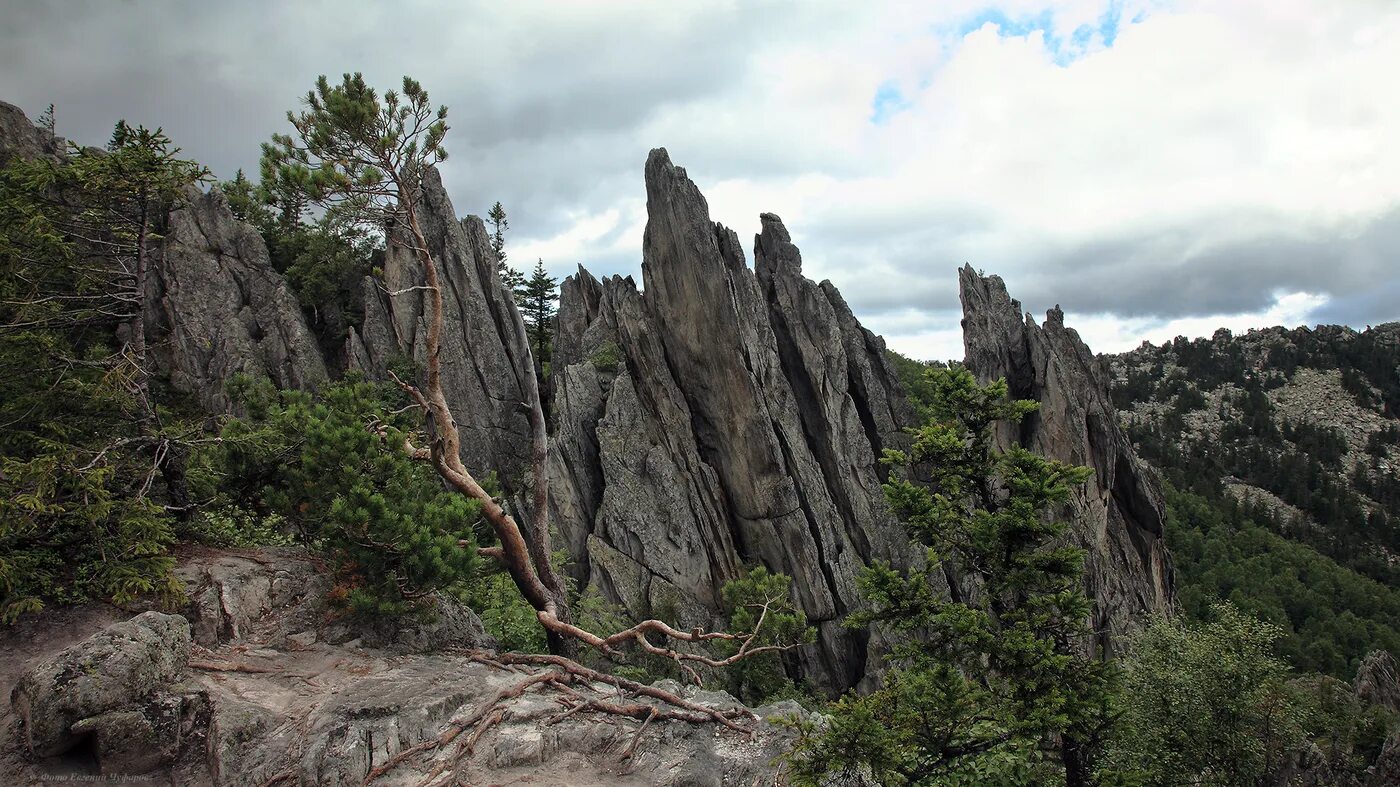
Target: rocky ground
254 683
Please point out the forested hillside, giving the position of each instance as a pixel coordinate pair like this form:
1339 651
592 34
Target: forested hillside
1282 448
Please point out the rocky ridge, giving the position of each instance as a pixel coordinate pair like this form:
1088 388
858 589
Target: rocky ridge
1299 423
1119 515
725 416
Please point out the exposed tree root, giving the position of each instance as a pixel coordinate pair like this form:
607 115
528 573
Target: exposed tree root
575 682
457 726
692 712
210 666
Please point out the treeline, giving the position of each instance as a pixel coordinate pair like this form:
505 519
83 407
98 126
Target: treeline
1366 360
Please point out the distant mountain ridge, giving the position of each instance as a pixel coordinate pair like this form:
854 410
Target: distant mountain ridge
1302 420
1283 448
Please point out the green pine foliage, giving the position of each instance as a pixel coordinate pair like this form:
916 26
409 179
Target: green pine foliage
84 447
536 297
332 467
1329 616
758 603
911 375
989 686
511 278
325 260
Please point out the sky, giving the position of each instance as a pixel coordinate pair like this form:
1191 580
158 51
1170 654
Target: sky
1155 168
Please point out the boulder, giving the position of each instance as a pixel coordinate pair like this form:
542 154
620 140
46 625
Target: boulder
92 686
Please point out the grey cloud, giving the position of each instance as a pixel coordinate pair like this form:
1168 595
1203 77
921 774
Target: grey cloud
1162 273
544 110
1181 273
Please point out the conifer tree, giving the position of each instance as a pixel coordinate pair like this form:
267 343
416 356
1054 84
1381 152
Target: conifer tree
84 442
992 677
537 297
511 278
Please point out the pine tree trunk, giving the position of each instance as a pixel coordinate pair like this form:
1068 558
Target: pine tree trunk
146 415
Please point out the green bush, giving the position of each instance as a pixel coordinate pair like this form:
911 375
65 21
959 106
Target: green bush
607 358
758 603
333 467
505 613
1204 703
231 526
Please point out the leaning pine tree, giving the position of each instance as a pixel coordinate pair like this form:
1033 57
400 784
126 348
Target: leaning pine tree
364 159
993 685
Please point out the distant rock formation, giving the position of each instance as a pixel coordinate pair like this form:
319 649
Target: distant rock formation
217 308
480 375
1118 515
725 417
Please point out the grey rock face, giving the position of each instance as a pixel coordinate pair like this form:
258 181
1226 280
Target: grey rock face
20 139
480 375
217 308
1378 680
1118 515
1386 771
267 708
726 417
87 687
279 598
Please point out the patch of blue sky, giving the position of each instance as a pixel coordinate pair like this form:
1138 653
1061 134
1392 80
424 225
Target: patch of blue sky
889 101
1064 49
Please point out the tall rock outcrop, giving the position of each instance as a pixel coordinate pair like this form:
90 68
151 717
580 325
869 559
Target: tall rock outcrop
726 417
1118 516
217 308
480 375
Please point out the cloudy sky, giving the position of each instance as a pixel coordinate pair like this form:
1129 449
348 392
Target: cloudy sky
1157 168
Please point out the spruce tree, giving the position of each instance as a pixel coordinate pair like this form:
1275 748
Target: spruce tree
537 297
84 442
992 680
